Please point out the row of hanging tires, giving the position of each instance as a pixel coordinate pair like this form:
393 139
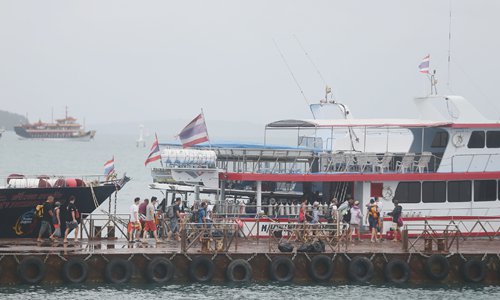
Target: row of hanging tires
282 269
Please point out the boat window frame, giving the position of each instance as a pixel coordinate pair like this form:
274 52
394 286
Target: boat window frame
496 140
462 196
440 139
409 193
478 189
476 144
433 197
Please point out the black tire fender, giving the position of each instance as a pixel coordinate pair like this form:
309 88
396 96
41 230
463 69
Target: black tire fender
279 264
200 263
360 269
118 271
160 270
316 265
234 268
31 270
397 271
474 270
69 267
441 262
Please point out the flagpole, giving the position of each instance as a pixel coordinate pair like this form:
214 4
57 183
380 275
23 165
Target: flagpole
156 137
206 128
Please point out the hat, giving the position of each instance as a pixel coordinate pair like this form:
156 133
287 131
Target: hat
58 203
356 202
316 203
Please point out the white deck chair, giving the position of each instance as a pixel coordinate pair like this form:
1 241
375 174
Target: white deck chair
423 163
384 163
406 163
363 161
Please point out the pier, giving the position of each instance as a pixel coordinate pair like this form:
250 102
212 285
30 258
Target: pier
222 254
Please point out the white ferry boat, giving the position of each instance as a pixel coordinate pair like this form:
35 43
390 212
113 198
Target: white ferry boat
443 166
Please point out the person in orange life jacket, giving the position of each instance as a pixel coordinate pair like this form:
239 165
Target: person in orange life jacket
373 219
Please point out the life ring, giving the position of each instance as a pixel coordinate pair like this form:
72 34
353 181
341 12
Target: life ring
282 269
160 270
397 271
387 193
437 267
321 268
118 271
458 140
201 269
75 270
474 270
31 270
360 269
239 270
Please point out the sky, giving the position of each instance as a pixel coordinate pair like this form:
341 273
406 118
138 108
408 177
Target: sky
114 62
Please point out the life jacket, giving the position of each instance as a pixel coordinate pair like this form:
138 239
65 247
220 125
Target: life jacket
374 211
39 210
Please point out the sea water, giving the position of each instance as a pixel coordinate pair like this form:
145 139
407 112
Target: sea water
83 158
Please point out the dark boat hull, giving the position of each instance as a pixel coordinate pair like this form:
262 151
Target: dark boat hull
17 205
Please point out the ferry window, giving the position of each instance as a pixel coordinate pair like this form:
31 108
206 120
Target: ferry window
493 139
476 140
485 190
440 140
433 191
408 192
459 191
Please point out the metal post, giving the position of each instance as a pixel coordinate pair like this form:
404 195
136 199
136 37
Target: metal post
259 196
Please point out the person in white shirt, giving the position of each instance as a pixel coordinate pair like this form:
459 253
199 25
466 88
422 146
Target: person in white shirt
134 225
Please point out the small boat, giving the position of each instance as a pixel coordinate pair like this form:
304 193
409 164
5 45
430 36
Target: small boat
21 194
63 129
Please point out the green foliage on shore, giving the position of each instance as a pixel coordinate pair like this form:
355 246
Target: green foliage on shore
8 120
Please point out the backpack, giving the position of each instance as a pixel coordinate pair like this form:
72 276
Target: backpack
39 211
374 212
194 216
170 211
347 216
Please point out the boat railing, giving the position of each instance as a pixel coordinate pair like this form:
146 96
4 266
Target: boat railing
52 181
477 162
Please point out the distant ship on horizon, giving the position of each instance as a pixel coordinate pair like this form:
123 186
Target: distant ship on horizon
62 129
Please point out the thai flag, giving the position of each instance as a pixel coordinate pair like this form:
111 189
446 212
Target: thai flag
109 167
424 65
195 132
154 153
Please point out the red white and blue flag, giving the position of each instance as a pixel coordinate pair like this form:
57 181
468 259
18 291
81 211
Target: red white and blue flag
109 167
195 132
154 153
424 65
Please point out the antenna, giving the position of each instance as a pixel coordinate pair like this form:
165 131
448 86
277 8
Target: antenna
312 62
449 51
290 70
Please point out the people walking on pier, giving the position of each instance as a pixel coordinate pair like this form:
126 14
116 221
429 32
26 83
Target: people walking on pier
72 222
373 220
355 222
134 225
380 207
174 220
315 213
142 212
56 221
149 223
46 224
396 219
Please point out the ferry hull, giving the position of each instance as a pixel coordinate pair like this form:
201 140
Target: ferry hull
17 206
22 133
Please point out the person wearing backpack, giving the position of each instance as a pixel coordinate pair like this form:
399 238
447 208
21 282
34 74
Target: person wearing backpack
46 224
72 219
396 218
373 219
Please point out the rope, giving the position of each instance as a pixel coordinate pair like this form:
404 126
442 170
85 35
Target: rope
1 257
146 257
461 256
371 257
229 257
267 256
426 256
62 257
307 256
187 256
385 257
94 197
46 257
252 257
215 255
347 256
450 255
173 255
334 256
16 259
409 258
293 257
104 257
484 256
130 257
88 257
